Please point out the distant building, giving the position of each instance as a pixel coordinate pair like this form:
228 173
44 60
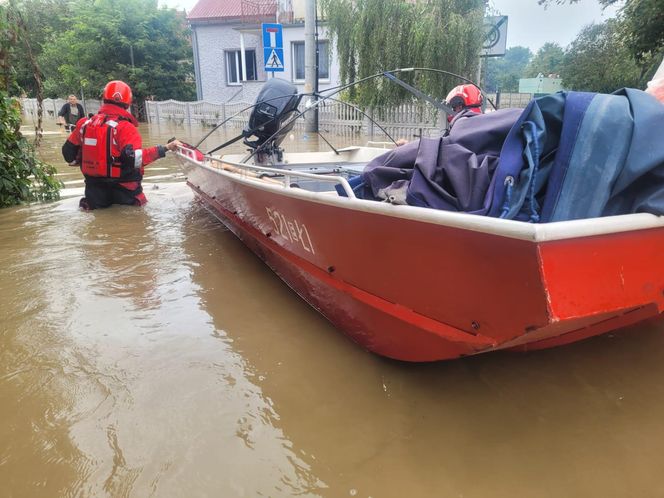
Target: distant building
541 85
223 30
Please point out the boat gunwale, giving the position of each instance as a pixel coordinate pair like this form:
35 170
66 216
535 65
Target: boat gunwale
522 230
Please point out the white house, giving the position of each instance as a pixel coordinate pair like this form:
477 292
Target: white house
225 30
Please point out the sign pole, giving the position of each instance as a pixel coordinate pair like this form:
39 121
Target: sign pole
310 118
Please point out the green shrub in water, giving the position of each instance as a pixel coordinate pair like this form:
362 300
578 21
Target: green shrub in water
23 177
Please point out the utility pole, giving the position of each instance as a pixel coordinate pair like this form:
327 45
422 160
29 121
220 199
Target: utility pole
310 66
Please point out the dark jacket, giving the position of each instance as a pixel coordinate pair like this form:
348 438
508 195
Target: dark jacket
71 118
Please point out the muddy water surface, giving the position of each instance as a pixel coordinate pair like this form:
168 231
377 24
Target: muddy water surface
146 352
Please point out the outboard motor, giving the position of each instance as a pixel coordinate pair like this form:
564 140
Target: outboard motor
275 105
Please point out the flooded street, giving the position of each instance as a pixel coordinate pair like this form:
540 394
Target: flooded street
146 352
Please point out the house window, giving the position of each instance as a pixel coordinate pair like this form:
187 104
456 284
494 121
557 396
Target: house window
323 60
234 66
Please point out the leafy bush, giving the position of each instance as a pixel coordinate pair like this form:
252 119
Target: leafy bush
23 177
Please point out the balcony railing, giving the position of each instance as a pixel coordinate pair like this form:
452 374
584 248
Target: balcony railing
257 11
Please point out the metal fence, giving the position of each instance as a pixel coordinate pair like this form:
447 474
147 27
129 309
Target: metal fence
51 107
509 100
405 120
333 117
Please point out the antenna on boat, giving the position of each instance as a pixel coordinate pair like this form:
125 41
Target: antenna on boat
340 88
336 152
325 95
386 74
216 127
260 148
329 97
311 106
244 134
441 106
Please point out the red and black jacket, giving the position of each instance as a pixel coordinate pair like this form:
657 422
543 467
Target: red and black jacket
108 147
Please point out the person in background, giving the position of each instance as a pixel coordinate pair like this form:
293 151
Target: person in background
109 150
70 113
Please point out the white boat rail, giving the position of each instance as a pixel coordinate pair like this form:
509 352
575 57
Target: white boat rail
535 232
188 153
233 167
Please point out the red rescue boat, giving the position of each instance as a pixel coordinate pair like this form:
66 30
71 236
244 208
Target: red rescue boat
419 284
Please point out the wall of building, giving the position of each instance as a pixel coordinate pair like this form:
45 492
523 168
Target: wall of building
295 32
298 7
213 40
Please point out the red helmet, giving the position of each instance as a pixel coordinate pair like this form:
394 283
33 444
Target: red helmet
464 97
117 91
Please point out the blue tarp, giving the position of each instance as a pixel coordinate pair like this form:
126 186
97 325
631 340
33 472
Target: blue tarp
569 155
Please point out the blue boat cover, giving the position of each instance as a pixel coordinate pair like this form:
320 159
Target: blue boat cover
566 156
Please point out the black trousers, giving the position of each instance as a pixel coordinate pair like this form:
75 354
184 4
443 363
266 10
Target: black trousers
104 194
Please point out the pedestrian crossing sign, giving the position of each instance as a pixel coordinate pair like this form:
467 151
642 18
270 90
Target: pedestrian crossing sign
274 59
273 47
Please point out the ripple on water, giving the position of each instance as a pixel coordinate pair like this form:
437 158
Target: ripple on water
117 368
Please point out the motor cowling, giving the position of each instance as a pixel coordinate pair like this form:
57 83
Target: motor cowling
269 121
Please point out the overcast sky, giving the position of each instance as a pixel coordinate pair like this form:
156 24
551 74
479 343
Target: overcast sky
529 24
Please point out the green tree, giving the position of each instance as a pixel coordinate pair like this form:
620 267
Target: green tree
641 27
131 40
44 20
598 60
23 177
378 35
548 60
503 73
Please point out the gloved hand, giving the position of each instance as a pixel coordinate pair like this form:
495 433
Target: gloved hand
173 145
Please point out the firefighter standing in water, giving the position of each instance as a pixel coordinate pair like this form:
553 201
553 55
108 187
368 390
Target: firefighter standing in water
108 148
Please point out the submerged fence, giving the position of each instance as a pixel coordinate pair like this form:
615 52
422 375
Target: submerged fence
406 120
508 100
333 117
51 107
403 121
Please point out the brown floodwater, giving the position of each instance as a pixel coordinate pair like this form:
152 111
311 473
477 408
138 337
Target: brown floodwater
146 352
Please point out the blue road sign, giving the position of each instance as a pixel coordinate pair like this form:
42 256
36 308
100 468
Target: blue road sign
273 47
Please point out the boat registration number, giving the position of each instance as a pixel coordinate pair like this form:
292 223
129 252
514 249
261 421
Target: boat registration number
291 229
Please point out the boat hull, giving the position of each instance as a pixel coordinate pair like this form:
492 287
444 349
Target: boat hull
417 290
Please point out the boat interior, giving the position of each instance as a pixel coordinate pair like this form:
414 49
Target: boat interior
312 171
483 158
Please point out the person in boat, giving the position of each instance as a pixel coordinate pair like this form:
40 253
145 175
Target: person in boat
465 100
70 113
109 150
